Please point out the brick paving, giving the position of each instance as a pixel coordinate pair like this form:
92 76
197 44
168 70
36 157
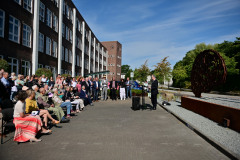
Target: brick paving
110 130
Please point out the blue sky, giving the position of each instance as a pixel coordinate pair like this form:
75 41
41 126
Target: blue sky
154 29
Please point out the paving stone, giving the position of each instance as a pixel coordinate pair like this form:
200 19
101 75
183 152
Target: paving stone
110 130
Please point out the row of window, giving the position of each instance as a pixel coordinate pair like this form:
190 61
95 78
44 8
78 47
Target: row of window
67 11
27 4
14 30
66 55
14 66
67 33
51 45
67 72
51 18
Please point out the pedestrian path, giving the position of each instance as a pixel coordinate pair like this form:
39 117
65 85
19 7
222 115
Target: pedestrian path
110 130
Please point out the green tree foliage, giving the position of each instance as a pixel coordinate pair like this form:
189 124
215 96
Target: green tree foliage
230 51
162 70
44 71
142 72
127 70
3 64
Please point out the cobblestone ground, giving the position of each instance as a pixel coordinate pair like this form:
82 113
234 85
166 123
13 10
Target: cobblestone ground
112 131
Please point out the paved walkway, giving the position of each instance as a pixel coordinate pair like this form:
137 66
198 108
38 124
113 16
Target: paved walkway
112 131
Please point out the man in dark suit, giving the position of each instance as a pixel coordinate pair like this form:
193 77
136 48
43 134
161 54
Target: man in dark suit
96 88
154 92
113 87
83 95
86 84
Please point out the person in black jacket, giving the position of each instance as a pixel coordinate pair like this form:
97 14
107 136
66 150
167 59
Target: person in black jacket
122 89
113 88
154 92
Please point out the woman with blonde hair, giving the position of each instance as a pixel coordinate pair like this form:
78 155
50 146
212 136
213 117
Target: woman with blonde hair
31 105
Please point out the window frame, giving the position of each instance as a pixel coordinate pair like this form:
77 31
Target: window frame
66 57
14 64
40 65
67 32
26 2
70 35
41 38
50 46
55 23
26 67
70 60
49 21
27 41
42 8
3 22
14 25
54 49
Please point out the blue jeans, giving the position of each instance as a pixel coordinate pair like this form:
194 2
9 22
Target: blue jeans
95 97
68 105
129 92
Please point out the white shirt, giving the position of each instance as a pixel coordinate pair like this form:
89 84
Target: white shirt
19 108
44 79
74 83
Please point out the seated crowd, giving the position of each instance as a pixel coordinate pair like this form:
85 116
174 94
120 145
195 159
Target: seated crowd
39 101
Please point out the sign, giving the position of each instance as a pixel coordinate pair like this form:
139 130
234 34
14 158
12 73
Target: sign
132 75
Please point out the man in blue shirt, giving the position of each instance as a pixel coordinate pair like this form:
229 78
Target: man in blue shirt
6 83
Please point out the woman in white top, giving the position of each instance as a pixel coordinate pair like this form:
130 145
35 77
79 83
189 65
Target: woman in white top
27 126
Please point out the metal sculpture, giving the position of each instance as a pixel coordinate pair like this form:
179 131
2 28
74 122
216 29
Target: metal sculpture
208 71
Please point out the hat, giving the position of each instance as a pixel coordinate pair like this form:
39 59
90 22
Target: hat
24 88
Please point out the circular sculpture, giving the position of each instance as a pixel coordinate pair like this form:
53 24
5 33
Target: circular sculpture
208 71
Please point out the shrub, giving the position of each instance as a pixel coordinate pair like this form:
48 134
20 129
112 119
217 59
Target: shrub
4 64
44 71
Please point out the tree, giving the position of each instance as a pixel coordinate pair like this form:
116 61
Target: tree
142 72
230 51
179 75
127 70
3 64
162 70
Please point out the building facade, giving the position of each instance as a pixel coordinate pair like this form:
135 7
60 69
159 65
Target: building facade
48 34
114 59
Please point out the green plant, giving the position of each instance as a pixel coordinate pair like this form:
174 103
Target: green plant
44 71
3 64
136 92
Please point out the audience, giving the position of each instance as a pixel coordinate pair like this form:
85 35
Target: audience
39 99
31 105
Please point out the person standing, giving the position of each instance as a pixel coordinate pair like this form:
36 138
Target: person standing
6 83
96 88
122 89
113 88
128 88
104 88
154 92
